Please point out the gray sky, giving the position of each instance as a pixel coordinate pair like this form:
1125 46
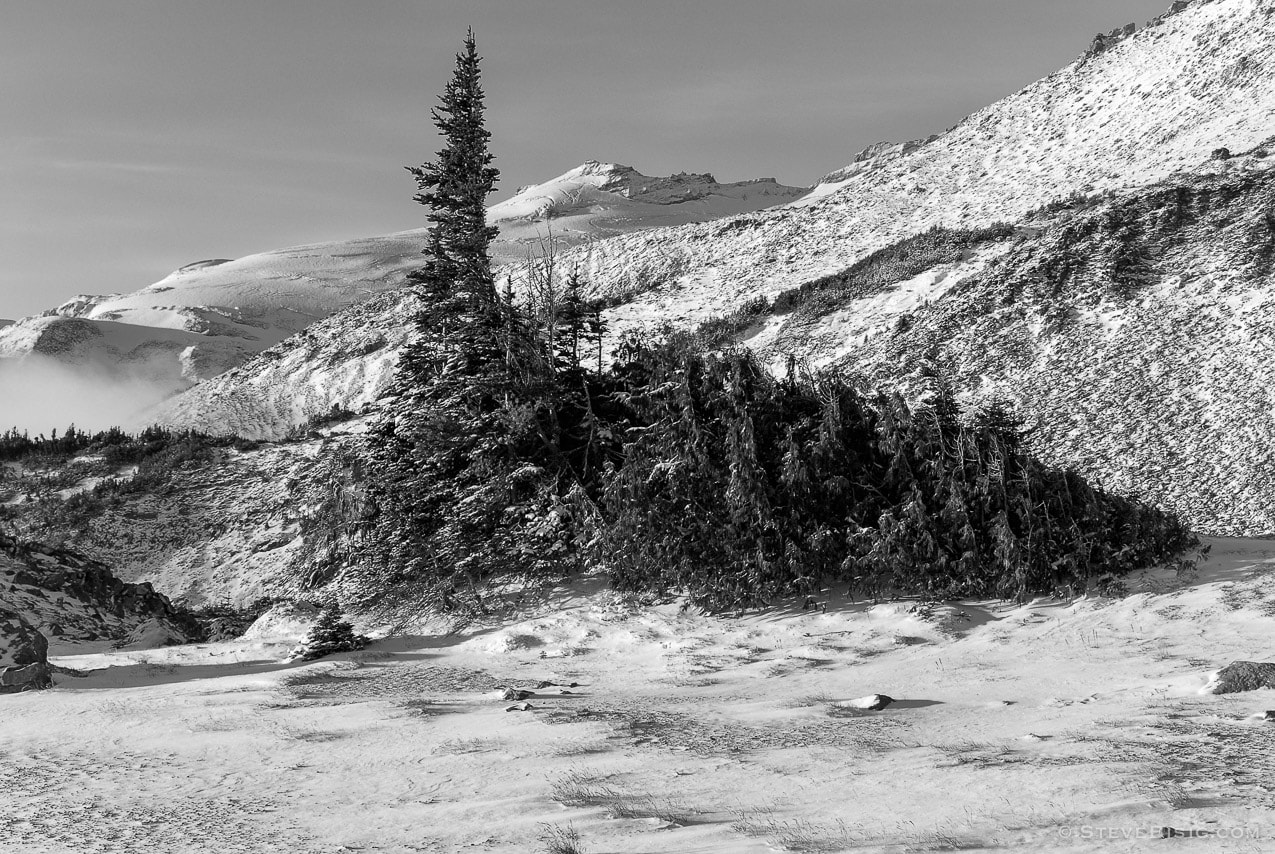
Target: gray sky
140 135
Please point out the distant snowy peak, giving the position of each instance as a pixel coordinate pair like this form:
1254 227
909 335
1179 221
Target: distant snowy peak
614 185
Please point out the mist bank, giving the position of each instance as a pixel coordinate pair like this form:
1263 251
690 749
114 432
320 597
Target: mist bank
39 394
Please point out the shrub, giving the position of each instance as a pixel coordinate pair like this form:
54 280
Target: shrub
737 488
329 635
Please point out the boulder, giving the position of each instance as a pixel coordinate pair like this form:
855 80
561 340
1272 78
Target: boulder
1241 676
871 703
24 655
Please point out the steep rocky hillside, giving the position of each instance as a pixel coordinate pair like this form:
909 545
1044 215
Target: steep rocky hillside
1133 111
232 525
1137 338
1135 332
51 595
69 597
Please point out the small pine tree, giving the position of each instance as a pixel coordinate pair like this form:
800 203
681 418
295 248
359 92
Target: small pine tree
329 635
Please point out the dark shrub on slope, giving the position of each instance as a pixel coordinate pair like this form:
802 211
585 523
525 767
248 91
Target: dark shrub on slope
737 488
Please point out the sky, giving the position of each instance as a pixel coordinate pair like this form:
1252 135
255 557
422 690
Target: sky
137 136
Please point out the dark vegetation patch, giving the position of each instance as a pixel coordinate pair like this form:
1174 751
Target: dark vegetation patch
737 489
48 465
1109 247
873 274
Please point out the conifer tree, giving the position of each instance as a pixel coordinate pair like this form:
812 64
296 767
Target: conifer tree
452 422
329 635
460 322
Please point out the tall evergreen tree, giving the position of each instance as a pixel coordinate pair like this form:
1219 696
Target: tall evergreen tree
460 323
453 426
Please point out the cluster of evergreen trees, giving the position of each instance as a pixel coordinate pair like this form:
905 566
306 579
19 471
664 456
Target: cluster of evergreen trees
117 446
737 488
506 449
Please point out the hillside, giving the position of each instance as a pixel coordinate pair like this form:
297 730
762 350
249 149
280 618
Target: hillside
1137 116
1144 107
1132 331
216 523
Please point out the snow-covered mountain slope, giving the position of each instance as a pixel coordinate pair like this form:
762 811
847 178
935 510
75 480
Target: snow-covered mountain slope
1135 333
1141 108
1133 330
208 316
345 360
212 315
168 356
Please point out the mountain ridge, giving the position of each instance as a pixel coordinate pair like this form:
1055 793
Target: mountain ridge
211 315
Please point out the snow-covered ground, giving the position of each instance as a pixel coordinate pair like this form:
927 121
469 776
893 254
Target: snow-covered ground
1059 726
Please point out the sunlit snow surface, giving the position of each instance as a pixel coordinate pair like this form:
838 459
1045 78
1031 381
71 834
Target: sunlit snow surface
1028 728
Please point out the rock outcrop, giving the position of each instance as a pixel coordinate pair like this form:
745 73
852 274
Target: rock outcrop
65 595
1242 676
24 662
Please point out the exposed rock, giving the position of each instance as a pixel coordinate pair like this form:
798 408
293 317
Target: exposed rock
24 662
515 694
1241 676
1103 41
203 265
67 595
874 156
520 707
1269 715
871 703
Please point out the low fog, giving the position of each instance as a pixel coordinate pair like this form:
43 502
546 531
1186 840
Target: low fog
39 395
